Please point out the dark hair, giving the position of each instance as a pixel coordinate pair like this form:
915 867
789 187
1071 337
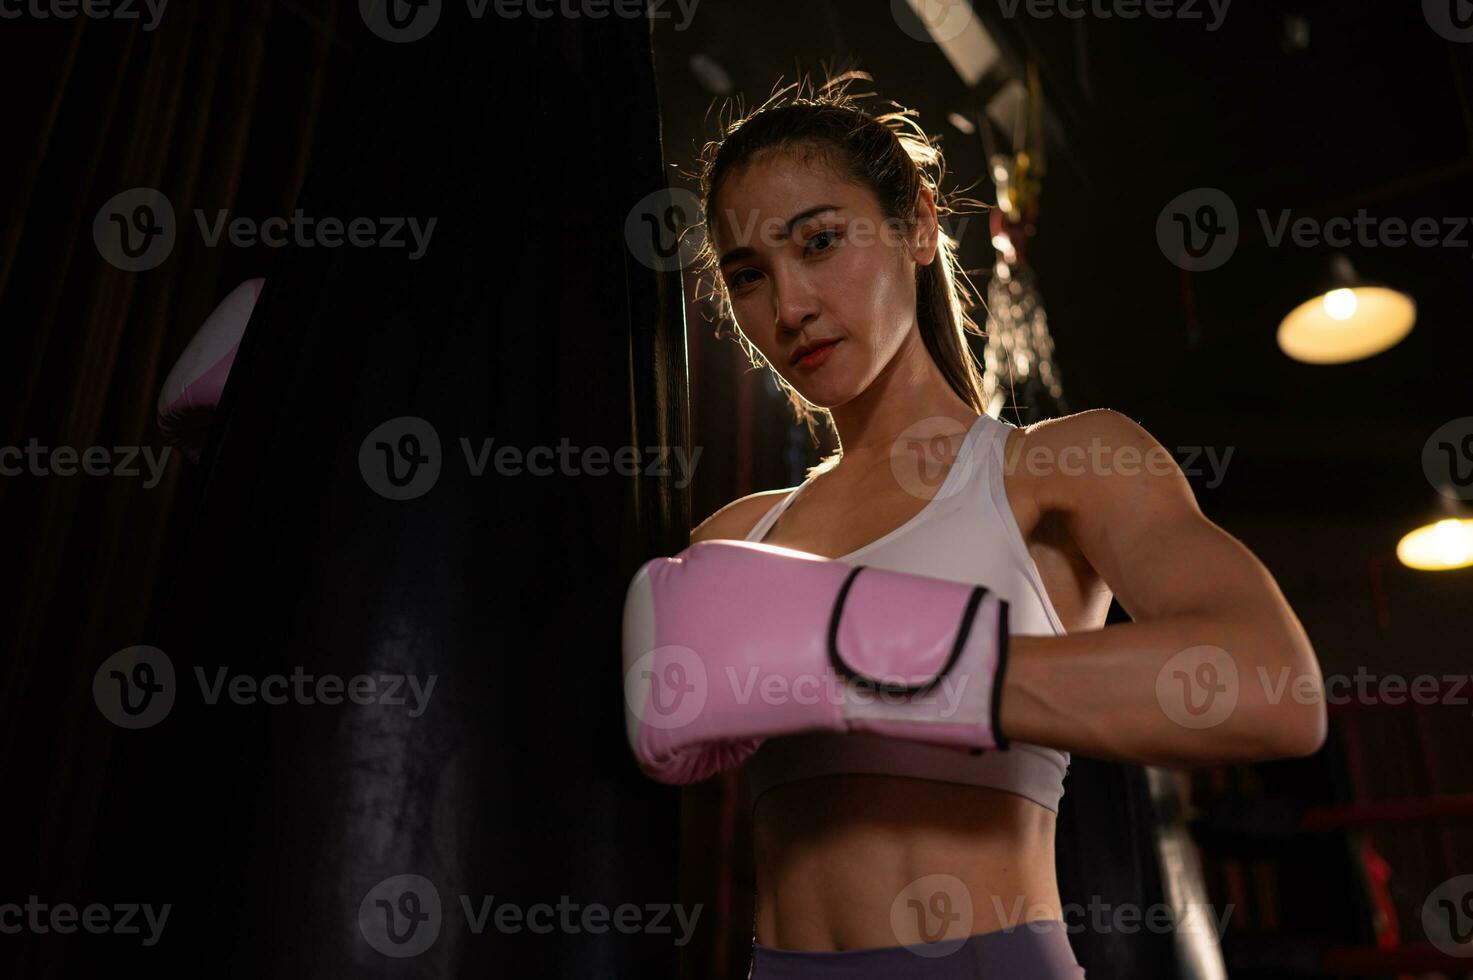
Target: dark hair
892 156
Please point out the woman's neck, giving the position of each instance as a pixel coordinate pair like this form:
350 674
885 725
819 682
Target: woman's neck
908 392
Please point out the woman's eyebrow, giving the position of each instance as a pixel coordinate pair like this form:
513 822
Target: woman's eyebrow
746 251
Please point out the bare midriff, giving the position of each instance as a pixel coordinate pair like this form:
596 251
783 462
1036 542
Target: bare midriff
834 853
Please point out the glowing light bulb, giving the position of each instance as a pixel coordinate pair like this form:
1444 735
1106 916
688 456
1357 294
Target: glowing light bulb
1341 304
1443 545
1452 542
1347 324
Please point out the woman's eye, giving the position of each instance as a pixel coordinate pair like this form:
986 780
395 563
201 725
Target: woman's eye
737 281
828 238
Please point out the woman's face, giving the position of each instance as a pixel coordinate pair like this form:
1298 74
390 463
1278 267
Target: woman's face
810 261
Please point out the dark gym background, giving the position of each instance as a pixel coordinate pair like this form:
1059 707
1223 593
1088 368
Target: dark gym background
1323 108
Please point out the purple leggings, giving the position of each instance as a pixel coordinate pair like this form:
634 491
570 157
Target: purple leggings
1037 950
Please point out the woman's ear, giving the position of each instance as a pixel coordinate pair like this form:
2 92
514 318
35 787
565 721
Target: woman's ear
925 238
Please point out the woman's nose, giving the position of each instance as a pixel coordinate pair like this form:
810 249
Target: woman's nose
796 302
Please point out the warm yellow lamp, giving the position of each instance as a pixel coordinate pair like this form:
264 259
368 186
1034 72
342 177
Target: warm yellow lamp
1442 544
1349 319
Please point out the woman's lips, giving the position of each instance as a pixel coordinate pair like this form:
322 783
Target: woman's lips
816 356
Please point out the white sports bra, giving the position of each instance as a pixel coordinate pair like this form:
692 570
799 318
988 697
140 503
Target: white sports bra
967 533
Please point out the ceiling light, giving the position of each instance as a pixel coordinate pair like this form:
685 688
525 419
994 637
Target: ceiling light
1349 319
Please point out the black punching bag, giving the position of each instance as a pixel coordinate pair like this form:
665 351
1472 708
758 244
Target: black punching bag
436 463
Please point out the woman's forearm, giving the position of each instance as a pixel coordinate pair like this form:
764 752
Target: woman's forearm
1181 691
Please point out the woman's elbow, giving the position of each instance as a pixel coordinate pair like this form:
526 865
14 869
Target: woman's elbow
1291 718
1280 732
1296 726
1302 730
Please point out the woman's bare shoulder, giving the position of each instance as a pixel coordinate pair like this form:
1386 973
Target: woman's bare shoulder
1049 455
736 519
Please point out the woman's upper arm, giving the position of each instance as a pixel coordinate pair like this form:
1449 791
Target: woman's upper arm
1136 520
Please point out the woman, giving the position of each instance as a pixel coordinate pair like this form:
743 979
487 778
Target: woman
823 234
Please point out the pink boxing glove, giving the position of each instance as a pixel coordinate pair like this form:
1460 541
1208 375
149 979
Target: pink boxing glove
192 390
731 642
